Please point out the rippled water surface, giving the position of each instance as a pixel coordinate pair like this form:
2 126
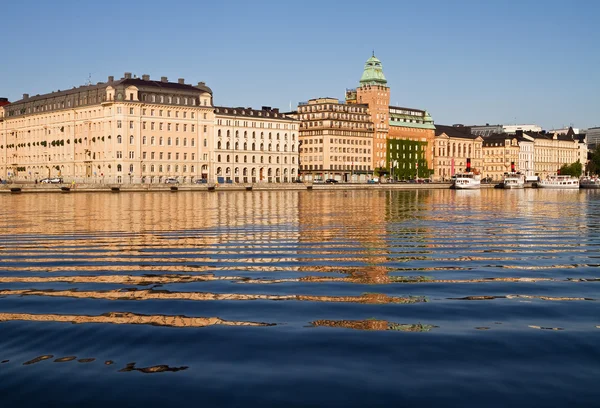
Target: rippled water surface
301 298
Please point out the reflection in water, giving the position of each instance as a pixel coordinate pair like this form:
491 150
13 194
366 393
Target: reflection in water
129 318
373 324
272 264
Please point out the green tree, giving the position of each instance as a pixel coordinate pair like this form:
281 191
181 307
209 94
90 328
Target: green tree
594 163
573 169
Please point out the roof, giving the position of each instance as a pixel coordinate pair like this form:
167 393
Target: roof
125 82
254 113
455 131
373 73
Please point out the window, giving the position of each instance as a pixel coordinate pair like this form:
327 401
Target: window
119 168
144 155
185 141
205 142
152 140
131 168
152 126
119 154
130 124
131 139
131 109
119 124
169 141
160 141
205 128
143 140
119 139
131 155
152 156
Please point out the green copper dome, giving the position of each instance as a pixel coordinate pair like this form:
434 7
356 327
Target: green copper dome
373 73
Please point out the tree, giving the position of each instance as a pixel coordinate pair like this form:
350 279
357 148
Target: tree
594 162
573 169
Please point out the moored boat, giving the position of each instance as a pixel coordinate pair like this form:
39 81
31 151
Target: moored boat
559 182
469 180
514 180
589 182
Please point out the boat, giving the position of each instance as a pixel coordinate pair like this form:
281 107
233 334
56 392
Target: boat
469 180
560 182
514 180
589 182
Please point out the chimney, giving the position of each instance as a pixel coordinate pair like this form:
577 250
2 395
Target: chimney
25 96
164 79
276 110
468 164
127 75
181 81
111 78
146 77
266 108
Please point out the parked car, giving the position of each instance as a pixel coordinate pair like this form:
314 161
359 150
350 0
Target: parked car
56 180
331 181
201 181
171 180
44 181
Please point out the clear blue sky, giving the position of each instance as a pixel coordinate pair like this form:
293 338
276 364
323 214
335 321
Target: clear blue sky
465 61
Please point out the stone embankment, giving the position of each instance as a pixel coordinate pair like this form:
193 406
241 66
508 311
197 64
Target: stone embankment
116 188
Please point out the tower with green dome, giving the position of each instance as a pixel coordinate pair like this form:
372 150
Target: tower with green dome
373 73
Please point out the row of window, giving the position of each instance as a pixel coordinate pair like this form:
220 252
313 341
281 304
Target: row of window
227 159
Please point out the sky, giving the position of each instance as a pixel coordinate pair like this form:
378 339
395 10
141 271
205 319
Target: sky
465 61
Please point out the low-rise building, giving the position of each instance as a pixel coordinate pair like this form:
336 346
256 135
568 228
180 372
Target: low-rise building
453 145
489 130
553 150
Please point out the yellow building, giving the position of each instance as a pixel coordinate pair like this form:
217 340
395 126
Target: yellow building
500 152
553 150
253 146
121 131
452 146
336 140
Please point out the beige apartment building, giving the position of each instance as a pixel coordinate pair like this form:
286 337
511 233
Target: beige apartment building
254 146
128 130
336 140
500 152
553 150
452 146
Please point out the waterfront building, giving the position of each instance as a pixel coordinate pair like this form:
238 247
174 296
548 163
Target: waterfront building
500 153
121 131
371 136
552 151
336 140
253 146
489 130
452 146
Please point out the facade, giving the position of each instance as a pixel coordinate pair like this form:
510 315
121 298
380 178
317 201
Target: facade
452 146
489 130
593 137
552 151
253 146
123 131
500 152
336 140
410 128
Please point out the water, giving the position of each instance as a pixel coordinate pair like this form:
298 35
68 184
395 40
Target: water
300 299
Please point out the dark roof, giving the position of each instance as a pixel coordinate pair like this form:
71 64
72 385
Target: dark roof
455 131
408 109
159 84
123 81
254 113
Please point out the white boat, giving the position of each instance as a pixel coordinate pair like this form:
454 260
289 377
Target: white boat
467 181
514 180
560 182
590 182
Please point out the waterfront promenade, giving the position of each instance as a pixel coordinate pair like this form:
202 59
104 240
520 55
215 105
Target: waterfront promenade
68 188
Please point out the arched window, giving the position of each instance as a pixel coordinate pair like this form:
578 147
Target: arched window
253 146
262 146
269 146
227 158
237 159
245 171
160 168
270 159
219 133
245 146
245 159
169 141
228 146
219 171
253 159
237 146
131 168
219 144
131 139
152 140
219 158
152 168
160 141
119 139
285 148
176 141
237 133
119 168
185 141
144 140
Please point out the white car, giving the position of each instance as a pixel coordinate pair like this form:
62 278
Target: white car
171 180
